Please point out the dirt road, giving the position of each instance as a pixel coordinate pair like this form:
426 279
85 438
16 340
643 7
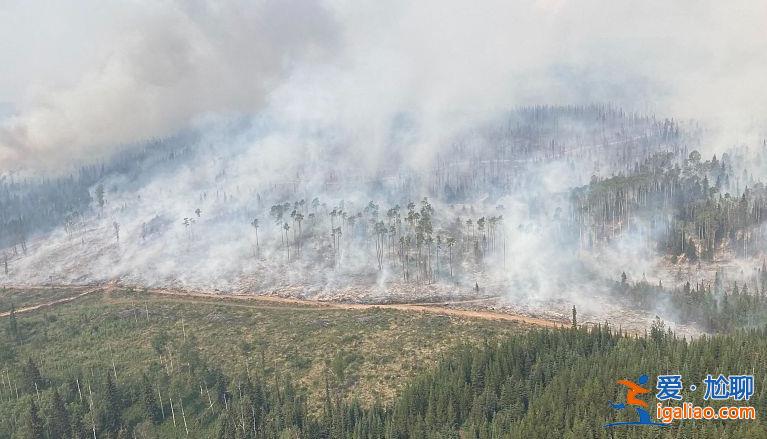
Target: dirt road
443 308
51 303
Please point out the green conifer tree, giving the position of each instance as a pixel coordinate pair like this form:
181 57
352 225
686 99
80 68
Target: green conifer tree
59 424
34 424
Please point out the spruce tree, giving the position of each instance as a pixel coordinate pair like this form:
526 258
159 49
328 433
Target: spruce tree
13 326
575 318
32 380
59 425
111 415
34 424
150 402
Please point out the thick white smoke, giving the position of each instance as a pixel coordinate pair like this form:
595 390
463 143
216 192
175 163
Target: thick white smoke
164 64
343 90
84 79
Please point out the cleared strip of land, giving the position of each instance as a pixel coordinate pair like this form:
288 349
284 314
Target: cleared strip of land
50 303
434 308
444 308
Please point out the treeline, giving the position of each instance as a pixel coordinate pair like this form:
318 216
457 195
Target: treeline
32 205
488 159
686 210
191 398
561 383
28 207
715 307
548 383
682 210
496 158
422 242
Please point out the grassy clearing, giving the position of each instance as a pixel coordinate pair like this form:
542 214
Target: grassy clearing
369 354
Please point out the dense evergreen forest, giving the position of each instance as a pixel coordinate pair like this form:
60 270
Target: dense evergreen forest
714 306
688 206
544 383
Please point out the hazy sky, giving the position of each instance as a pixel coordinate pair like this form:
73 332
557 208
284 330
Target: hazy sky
83 76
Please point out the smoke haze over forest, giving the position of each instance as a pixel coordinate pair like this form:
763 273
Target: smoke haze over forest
383 219
181 143
109 75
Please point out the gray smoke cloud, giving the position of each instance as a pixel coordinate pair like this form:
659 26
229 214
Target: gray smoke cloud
86 79
163 65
